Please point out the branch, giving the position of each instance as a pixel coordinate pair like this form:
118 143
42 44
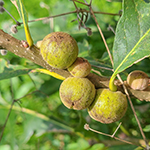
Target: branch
15 46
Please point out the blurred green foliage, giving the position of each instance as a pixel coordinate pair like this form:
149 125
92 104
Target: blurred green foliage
38 120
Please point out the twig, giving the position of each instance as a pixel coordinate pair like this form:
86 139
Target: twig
86 2
18 23
71 12
87 127
116 130
111 29
59 15
90 2
99 67
81 2
80 19
132 107
101 33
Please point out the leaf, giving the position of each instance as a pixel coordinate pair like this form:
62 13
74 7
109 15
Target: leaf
5 147
81 144
132 40
114 0
98 146
123 147
45 71
24 16
9 71
147 128
31 123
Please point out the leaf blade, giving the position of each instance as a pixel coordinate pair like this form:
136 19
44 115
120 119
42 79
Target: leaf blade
9 71
132 35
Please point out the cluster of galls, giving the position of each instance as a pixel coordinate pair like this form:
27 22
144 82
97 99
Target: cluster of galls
60 50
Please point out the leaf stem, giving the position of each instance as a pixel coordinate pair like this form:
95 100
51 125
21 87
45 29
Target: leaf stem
112 86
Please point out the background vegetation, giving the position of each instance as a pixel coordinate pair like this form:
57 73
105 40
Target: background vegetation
38 119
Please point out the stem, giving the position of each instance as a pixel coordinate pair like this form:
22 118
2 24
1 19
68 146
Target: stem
91 10
63 14
132 107
116 130
71 12
112 86
18 23
87 127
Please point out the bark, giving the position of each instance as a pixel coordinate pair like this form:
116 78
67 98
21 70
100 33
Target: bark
33 54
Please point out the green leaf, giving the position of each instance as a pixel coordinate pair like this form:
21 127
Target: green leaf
123 147
5 147
9 71
24 16
80 144
31 122
147 128
132 39
98 146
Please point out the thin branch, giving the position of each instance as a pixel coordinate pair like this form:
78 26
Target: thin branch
80 19
80 2
71 12
18 23
105 13
86 2
59 15
116 130
99 67
87 127
111 29
132 107
101 33
90 2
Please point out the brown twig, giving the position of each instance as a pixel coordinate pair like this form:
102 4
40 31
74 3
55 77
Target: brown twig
87 127
116 130
80 2
81 23
101 33
71 12
59 15
132 107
